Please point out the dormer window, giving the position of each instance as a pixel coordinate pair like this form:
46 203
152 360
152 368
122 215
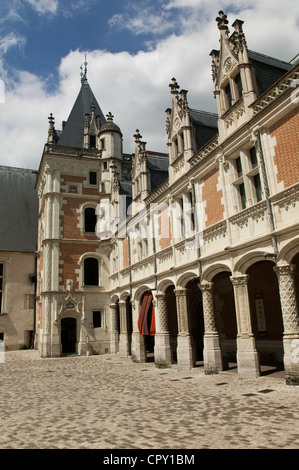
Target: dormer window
92 141
233 91
228 96
239 88
92 177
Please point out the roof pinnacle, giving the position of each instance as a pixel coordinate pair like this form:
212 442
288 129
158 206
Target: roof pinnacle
84 75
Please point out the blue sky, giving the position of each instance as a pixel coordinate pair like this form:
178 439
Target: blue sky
133 50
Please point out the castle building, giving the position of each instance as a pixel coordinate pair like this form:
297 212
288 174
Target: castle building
18 238
189 257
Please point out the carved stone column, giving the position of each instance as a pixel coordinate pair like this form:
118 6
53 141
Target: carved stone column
46 337
162 339
184 348
114 339
247 356
212 351
290 317
123 337
138 350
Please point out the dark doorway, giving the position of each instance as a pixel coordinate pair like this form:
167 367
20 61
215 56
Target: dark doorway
129 323
196 321
172 321
68 335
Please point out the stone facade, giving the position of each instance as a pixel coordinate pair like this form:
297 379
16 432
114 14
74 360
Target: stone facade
215 241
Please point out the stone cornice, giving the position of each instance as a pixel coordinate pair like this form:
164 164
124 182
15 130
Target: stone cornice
205 151
257 211
72 152
280 87
288 197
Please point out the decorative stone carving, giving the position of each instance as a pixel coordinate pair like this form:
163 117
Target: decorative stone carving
181 302
242 305
208 306
288 298
162 324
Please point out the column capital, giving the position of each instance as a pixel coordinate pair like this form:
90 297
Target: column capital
160 295
181 291
239 280
285 270
206 286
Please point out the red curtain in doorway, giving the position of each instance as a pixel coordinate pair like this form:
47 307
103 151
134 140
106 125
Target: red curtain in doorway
146 319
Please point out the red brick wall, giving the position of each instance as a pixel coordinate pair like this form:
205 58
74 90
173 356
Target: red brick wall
70 254
125 253
69 179
214 209
69 221
164 230
286 158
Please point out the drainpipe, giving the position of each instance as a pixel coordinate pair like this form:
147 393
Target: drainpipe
267 191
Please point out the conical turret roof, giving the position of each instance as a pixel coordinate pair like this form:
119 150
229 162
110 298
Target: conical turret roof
72 134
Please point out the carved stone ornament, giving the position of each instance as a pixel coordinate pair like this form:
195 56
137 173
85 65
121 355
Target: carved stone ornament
70 303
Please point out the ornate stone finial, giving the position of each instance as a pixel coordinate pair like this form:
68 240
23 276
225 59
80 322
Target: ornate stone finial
137 136
51 132
51 119
109 117
84 75
174 86
222 21
238 37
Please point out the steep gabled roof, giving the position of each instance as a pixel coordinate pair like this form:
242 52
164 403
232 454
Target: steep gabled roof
73 133
267 70
205 126
18 209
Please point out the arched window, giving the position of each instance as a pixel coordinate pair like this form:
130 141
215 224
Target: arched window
91 272
90 219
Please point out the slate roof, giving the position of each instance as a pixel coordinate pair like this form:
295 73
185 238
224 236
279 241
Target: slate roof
18 209
73 133
205 126
267 70
157 165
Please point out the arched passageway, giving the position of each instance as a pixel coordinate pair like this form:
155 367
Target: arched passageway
172 321
146 324
196 320
266 315
226 323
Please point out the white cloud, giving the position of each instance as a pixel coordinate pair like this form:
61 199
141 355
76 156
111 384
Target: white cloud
44 6
10 40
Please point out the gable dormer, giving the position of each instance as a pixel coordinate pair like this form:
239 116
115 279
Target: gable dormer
140 177
178 125
92 124
233 77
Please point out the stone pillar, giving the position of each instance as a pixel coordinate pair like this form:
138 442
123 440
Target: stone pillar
184 348
138 350
247 356
123 337
212 351
114 339
46 337
55 341
162 340
290 318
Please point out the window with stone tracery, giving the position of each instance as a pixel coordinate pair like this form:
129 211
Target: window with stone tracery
246 179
